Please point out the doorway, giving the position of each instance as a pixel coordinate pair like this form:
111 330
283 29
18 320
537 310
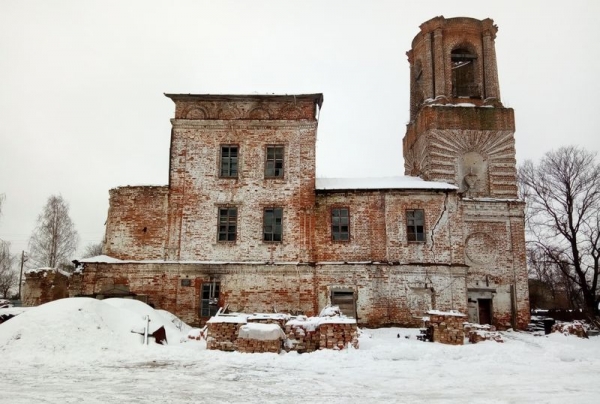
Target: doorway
484 307
345 300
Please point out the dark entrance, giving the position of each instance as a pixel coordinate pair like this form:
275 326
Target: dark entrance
485 311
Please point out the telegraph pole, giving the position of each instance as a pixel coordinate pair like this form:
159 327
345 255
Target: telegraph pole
21 274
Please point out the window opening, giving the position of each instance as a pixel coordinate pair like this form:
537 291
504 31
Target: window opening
415 225
463 74
274 162
229 161
209 303
227 224
272 224
340 224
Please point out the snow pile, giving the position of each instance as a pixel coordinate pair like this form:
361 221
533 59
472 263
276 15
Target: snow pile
79 329
390 366
261 332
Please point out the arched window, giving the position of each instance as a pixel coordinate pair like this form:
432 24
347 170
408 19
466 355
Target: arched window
463 74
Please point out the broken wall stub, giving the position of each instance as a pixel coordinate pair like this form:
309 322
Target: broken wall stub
43 286
136 222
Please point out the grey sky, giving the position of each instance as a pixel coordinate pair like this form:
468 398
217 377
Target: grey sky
81 85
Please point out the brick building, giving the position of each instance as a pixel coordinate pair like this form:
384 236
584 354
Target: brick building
244 222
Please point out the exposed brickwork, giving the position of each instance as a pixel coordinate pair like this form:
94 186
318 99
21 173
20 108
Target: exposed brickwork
446 328
472 258
43 286
136 222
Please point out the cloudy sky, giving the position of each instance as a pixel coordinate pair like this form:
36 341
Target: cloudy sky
82 108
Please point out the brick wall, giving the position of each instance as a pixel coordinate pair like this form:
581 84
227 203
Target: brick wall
43 286
136 222
197 190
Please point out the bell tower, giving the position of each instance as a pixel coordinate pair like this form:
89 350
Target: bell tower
459 131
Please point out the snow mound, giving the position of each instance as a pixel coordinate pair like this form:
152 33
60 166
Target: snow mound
79 329
261 332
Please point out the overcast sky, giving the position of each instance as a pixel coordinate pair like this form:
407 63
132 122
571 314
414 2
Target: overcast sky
82 108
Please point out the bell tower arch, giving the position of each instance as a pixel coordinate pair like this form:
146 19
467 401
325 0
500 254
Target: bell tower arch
459 131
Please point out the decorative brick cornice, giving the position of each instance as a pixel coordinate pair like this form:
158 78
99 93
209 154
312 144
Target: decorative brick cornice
247 124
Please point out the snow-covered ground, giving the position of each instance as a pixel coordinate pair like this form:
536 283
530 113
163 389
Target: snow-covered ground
83 351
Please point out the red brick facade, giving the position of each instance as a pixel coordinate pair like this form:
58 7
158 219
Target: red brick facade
176 248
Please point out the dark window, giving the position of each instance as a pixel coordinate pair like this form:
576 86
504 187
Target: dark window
415 225
227 224
273 224
463 74
229 161
274 162
340 224
209 301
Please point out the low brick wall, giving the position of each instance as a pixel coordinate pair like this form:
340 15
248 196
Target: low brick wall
259 337
302 337
257 346
222 332
446 327
302 334
337 335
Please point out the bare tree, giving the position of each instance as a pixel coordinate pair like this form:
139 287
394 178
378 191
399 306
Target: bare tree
563 219
8 276
54 240
93 250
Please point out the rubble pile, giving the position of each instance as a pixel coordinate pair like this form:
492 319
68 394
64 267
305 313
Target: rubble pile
575 328
477 333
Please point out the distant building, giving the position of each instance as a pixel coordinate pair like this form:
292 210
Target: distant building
244 223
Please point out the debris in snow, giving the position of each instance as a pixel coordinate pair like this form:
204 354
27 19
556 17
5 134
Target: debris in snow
575 328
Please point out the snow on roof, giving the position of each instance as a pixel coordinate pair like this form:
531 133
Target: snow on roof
45 270
400 182
101 258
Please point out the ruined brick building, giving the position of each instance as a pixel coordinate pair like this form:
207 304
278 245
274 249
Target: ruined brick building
244 223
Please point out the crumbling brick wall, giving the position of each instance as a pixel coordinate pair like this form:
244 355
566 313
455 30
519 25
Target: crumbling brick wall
303 335
43 286
136 223
446 327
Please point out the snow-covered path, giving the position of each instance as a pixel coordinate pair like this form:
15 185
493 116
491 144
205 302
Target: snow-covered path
553 369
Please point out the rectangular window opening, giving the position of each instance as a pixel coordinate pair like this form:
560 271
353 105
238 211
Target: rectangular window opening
227 224
340 224
273 224
415 225
274 162
229 161
209 299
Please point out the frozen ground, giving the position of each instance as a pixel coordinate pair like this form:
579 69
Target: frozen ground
82 351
